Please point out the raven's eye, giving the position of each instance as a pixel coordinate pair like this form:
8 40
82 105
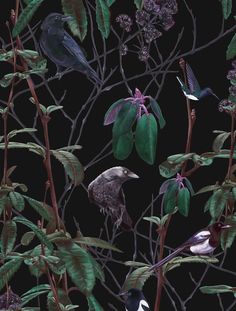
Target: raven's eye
57 18
125 172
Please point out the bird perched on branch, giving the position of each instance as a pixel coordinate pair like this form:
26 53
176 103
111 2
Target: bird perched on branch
61 48
135 300
193 90
203 242
106 192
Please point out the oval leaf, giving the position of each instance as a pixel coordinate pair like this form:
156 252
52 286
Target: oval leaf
168 170
146 138
183 201
8 270
169 198
93 304
157 111
113 111
17 200
219 141
226 8
8 236
228 236
27 238
217 203
122 145
125 120
137 278
231 50
216 289
103 17
76 9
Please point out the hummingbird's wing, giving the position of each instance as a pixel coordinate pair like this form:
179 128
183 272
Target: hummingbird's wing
192 81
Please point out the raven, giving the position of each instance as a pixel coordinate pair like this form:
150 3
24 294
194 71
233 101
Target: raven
106 192
61 48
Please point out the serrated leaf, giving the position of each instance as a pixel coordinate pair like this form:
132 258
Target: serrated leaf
8 270
168 170
169 198
8 237
135 264
96 242
72 166
17 200
78 265
103 17
25 16
217 203
27 237
41 208
208 188
226 8
34 292
228 236
38 232
231 50
113 111
36 264
183 201
137 278
139 4
219 141
154 219
158 113
122 145
76 9
124 120
93 304
63 299
98 270
146 138
216 289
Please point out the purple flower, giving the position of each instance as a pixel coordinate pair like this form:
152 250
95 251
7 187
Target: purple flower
151 6
142 17
125 22
151 33
171 5
231 74
123 49
143 54
227 106
10 301
166 19
232 90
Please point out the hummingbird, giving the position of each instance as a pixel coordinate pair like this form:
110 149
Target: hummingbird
193 90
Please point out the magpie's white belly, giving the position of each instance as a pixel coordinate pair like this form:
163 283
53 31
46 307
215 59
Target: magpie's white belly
142 303
202 248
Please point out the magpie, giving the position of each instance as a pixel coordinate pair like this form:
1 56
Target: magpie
135 300
61 48
203 242
106 192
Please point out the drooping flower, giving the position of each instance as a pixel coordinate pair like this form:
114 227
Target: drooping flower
143 54
124 21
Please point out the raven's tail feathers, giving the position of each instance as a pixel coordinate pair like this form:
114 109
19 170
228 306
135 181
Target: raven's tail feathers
92 74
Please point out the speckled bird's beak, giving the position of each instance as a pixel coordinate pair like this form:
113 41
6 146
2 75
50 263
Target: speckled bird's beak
66 18
132 175
226 227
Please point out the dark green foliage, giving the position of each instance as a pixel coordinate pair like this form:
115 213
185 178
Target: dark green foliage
170 198
231 50
122 145
103 17
8 237
183 201
158 113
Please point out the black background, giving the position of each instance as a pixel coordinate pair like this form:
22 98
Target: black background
210 66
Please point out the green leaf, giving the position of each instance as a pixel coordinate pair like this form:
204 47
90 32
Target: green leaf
72 166
78 265
208 188
217 203
183 201
226 8
27 238
98 269
146 138
38 232
156 220
113 111
135 264
41 208
217 289
228 236
137 278
219 141
169 198
91 241
37 265
17 200
3 202
25 16
189 185
157 111
25 130
231 50
8 236
34 292
53 108
5 56
122 145
8 270
179 158
168 170
93 304
76 9
110 2
124 120
139 4
63 299
103 17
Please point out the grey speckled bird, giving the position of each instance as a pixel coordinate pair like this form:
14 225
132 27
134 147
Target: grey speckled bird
106 192
61 48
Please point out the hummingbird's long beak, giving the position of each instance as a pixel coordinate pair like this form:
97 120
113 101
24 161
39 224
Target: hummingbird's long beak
215 95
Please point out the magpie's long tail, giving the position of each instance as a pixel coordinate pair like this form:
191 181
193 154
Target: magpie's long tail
168 258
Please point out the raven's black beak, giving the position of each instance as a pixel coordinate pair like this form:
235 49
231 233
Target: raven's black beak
66 18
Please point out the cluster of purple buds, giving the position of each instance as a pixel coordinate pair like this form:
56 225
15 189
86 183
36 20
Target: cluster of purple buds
10 301
142 17
143 53
227 106
124 21
151 6
151 33
123 49
139 100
